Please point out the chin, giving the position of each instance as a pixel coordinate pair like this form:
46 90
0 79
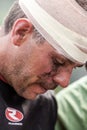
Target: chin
30 96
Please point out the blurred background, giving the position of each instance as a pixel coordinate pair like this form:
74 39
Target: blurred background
4 7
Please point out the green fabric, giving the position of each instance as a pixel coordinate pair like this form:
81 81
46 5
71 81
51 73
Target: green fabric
72 106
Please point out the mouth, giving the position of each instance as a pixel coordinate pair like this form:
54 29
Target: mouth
41 90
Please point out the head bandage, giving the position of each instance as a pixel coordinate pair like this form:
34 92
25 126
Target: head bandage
61 23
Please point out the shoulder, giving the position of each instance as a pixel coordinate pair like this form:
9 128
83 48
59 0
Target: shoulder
48 99
45 107
45 102
72 102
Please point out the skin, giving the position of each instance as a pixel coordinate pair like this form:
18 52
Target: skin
32 68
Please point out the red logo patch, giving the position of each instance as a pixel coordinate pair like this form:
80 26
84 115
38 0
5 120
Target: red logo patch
13 115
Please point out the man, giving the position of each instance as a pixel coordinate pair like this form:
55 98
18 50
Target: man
39 49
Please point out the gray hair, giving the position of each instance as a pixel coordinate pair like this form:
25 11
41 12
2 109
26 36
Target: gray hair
82 3
15 13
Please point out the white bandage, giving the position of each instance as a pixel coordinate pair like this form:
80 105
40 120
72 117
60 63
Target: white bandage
55 32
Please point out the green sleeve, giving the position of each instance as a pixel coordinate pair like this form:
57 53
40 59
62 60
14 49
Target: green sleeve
72 106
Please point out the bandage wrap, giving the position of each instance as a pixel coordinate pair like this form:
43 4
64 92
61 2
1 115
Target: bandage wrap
54 29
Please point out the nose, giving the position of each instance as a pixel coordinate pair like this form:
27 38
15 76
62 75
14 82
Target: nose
62 78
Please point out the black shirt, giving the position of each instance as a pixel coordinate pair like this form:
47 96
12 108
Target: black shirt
17 113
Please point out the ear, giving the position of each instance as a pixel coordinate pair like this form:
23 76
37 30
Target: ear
21 30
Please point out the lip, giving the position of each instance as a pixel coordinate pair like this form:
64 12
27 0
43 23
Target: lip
42 90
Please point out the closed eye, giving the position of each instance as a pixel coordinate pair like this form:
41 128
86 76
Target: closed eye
57 62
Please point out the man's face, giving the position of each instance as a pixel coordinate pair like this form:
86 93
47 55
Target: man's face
38 68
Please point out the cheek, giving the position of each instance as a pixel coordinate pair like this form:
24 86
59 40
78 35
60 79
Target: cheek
44 66
40 64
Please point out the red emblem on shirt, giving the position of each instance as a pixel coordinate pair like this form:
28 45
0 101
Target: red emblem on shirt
13 115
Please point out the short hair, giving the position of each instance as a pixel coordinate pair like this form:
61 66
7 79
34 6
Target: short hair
83 4
15 13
